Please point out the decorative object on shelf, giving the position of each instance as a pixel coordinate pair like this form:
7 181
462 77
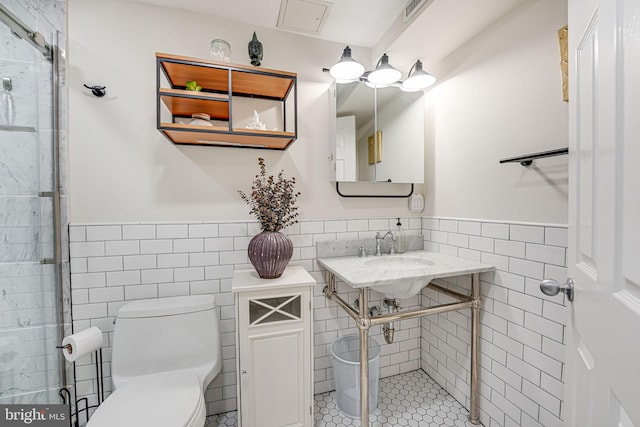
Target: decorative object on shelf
7 103
256 123
348 70
220 50
255 51
273 202
200 119
97 90
192 85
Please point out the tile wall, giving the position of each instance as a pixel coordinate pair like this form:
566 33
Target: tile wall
115 263
522 331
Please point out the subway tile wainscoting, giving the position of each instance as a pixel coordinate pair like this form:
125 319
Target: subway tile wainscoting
522 330
115 263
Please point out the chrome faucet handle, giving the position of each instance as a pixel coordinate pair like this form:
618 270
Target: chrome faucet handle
378 239
362 252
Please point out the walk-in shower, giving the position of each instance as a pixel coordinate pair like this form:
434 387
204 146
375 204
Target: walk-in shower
31 224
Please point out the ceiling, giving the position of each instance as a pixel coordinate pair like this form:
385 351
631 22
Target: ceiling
437 29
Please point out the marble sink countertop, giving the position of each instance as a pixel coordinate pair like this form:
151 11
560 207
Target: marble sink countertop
373 272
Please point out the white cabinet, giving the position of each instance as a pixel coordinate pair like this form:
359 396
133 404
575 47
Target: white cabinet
275 348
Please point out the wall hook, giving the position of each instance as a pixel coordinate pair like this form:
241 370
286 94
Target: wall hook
98 91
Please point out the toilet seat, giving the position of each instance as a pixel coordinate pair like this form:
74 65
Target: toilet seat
169 399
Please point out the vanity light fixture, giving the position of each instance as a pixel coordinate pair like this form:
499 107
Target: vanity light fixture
347 69
385 73
365 79
418 79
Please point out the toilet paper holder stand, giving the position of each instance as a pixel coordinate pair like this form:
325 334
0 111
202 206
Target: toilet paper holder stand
82 405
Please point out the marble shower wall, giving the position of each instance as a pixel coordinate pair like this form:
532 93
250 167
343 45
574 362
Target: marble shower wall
28 290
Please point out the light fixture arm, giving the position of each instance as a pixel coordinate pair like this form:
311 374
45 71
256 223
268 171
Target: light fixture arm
415 67
349 70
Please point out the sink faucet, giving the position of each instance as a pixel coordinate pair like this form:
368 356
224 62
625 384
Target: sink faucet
380 238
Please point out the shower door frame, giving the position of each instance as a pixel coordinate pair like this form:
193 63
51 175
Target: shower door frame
51 54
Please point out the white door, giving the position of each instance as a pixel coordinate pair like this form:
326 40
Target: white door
603 342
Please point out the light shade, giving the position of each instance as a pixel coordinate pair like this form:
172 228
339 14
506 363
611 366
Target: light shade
385 73
365 78
347 68
418 78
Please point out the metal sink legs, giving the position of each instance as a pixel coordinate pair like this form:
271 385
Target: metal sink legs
364 321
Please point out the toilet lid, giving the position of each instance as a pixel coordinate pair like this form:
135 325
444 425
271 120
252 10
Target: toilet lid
169 399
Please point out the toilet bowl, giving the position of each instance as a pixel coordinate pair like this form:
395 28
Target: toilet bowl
165 353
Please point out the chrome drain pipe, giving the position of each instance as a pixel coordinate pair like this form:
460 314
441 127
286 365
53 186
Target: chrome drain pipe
388 329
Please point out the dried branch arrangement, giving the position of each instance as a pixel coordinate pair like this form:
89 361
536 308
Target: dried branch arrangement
272 200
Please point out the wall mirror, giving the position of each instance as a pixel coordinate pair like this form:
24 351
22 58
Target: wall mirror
379 134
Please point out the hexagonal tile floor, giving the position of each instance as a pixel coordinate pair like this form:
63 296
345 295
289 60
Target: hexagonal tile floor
412 399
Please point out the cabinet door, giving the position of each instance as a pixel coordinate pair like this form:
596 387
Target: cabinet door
274 361
273 386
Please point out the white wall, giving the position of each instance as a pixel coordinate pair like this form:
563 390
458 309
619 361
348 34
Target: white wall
122 169
500 96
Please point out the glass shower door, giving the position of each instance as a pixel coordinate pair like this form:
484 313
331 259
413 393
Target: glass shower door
30 366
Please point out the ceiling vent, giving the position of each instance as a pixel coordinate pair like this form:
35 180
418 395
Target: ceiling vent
306 16
413 7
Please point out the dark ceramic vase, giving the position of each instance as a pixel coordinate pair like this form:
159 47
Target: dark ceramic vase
270 253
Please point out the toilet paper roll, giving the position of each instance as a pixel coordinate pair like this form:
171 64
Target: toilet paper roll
81 343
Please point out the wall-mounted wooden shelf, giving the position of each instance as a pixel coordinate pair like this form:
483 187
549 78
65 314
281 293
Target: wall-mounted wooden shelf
221 84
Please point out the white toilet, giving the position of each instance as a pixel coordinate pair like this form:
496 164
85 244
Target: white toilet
165 353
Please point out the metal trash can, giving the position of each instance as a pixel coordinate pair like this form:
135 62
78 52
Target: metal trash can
346 368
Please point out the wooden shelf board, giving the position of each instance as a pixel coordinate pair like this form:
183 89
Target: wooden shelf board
184 107
215 129
207 135
222 97
213 76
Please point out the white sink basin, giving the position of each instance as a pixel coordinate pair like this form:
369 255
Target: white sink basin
399 276
399 263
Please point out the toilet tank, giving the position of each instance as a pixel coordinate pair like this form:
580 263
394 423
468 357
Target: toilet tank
167 334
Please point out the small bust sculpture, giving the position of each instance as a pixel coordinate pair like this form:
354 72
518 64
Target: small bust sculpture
255 51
